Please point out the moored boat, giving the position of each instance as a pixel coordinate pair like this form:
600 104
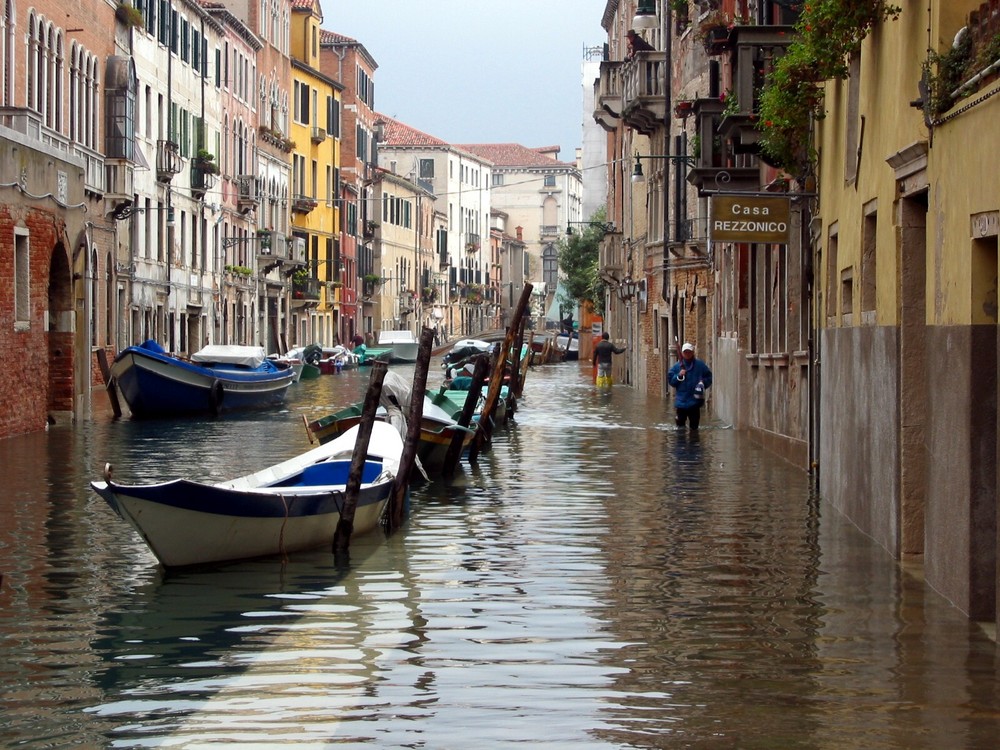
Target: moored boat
217 378
438 425
569 345
335 359
403 344
291 506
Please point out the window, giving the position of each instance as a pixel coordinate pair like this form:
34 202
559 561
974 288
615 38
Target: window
185 43
196 50
301 112
427 169
497 179
550 266
550 180
22 280
847 294
120 114
333 117
868 232
831 274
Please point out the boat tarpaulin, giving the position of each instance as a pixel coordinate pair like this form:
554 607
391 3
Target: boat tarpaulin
229 354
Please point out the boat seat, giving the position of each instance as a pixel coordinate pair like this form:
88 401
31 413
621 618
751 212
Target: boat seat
335 472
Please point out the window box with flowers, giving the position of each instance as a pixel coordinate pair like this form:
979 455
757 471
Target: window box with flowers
429 295
473 294
371 282
683 108
472 247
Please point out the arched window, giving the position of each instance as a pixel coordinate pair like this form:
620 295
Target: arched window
7 51
550 266
58 74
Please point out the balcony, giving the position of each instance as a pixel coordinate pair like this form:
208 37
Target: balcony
608 95
303 204
643 95
203 177
168 160
754 51
248 196
717 167
119 179
305 290
318 135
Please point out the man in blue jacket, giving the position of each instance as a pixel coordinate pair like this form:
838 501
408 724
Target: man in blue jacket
692 378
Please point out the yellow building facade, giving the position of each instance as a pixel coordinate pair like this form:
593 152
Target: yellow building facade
905 294
316 220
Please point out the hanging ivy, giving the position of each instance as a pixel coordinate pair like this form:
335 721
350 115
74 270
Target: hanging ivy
828 33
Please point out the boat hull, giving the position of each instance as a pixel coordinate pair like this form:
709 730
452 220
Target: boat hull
154 385
215 525
289 507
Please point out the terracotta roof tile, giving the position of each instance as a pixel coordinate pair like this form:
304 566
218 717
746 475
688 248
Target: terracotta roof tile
400 134
331 37
515 155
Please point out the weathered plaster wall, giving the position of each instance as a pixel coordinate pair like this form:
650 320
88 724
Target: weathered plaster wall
859 446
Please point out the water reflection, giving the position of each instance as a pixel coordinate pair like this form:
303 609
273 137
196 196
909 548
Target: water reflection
598 579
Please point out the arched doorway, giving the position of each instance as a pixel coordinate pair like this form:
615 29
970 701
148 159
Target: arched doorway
59 335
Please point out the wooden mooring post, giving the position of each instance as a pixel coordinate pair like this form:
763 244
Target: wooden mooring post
345 525
109 382
496 380
451 459
394 518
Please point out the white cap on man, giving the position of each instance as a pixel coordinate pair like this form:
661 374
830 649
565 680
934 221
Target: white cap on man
688 347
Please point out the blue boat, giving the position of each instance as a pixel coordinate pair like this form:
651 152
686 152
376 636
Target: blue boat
217 378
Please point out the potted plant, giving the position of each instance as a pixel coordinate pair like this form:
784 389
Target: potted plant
428 294
683 108
129 16
205 161
713 32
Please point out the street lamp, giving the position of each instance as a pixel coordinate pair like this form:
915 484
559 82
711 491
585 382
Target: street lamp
628 288
645 15
637 173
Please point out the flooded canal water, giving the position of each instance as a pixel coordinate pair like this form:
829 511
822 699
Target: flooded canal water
597 580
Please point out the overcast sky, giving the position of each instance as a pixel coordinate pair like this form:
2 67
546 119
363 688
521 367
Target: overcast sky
478 71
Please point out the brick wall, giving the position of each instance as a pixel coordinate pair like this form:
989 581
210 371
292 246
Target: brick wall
25 399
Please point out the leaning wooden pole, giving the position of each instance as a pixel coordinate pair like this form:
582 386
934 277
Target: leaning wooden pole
496 381
413 420
345 526
465 418
109 382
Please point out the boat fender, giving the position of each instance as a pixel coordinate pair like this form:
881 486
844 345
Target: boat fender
216 394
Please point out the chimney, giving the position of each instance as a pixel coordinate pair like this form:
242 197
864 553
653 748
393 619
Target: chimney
519 230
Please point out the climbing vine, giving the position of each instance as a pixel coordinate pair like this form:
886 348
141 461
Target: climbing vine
828 33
